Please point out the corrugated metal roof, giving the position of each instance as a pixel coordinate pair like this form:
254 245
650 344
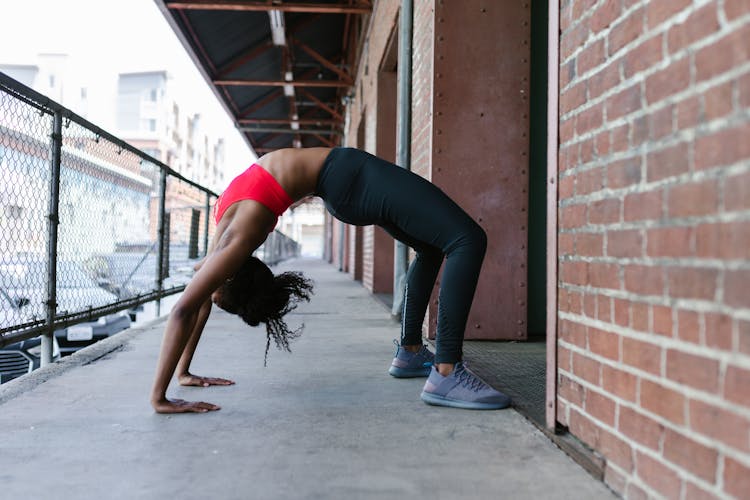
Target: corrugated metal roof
232 44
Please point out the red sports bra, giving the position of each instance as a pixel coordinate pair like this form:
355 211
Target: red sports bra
257 184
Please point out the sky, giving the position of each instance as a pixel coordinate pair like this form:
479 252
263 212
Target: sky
106 37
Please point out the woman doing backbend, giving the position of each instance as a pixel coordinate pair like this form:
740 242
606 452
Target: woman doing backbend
359 189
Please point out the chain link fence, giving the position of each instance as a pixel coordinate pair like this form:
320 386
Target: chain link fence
89 225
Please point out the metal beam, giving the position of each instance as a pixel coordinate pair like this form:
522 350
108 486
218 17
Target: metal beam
282 121
322 60
247 5
277 130
321 104
281 83
244 58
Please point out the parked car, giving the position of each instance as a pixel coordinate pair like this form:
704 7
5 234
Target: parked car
23 357
22 300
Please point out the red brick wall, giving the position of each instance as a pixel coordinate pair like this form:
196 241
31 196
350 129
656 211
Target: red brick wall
654 242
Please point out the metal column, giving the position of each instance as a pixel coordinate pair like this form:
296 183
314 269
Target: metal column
162 238
403 141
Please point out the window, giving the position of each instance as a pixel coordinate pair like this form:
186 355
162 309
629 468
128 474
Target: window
153 95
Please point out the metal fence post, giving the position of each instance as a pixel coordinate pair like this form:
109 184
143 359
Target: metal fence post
161 236
205 226
54 221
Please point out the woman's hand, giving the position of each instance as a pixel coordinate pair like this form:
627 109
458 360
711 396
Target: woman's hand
181 406
198 381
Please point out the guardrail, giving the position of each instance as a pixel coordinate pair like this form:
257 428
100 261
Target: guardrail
90 225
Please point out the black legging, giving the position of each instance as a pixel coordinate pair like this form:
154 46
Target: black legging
361 189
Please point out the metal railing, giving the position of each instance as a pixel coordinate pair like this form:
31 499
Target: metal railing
89 225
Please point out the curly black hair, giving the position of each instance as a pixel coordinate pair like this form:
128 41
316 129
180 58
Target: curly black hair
257 296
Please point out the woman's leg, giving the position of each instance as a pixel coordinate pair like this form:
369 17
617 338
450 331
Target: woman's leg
362 189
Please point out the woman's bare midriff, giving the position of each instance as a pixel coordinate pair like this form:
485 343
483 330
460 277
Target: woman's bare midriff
295 169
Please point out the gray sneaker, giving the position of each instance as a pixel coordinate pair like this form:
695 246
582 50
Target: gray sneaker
407 364
462 389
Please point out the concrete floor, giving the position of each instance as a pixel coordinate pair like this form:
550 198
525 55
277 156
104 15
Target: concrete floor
325 422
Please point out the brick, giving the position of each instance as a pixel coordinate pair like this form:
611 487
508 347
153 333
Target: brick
600 407
605 79
726 241
697 26
643 56
572 98
576 302
718 101
624 102
617 482
743 328
737 385
604 15
603 343
736 8
615 450
601 143
589 119
639 316
692 283
659 11
590 181
586 148
663 401
693 199
736 478
640 428
634 492
670 241
623 173
661 122
574 272
591 56
718 331
589 306
565 244
622 312
626 243
604 211
573 216
566 187
572 39
737 289
571 391
581 7
644 206
668 162
644 280
567 130
689 113
583 428
718 423
603 275
658 476
603 308
626 31
662 320
691 455
642 355
619 141
573 333
639 133
695 492
737 192
723 55
563 358
619 383
586 368
589 244
668 81
699 372
688 326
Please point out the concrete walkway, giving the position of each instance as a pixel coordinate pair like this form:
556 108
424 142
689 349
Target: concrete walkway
325 422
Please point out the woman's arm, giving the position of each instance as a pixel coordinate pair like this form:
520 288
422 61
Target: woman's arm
233 247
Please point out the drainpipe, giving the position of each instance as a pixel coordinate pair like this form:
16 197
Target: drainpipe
403 139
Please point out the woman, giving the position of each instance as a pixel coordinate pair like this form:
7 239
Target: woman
359 189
